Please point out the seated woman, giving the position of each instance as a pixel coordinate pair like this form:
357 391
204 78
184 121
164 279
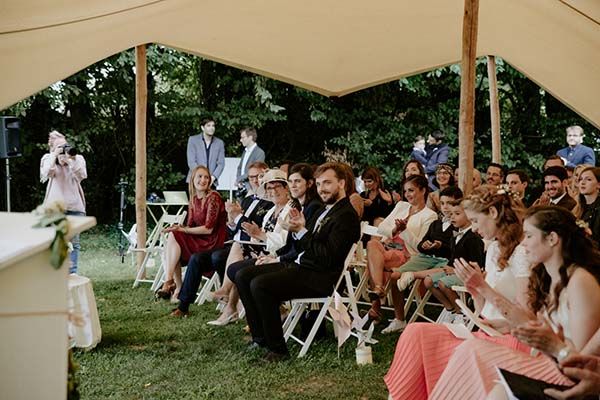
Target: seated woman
564 293
444 177
403 229
205 230
273 234
424 349
378 202
412 167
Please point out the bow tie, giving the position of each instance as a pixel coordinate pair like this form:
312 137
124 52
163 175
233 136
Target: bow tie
458 233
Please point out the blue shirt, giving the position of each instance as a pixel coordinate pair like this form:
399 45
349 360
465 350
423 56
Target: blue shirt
579 154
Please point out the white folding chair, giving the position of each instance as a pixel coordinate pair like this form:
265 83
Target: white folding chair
300 305
208 285
155 248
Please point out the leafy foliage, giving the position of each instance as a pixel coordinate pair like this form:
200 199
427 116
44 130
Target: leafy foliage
95 108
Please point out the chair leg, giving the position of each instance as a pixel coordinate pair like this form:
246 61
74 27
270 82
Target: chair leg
292 320
315 328
420 307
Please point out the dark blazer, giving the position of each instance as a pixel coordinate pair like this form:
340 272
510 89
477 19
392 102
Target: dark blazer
196 155
257 154
289 253
470 247
255 216
325 249
567 202
591 215
435 232
436 154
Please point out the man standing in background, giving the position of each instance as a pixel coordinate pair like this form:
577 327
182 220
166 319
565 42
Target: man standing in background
206 149
576 153
251 154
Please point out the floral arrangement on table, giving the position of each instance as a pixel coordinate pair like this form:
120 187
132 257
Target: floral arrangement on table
53 215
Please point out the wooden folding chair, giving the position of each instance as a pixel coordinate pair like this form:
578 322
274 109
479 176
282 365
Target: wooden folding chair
155 248
300 305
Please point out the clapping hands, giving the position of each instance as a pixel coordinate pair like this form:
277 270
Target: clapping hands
296 220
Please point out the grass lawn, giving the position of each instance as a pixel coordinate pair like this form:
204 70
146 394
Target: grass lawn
145 354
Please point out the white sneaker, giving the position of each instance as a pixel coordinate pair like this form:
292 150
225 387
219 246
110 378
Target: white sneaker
405 280
459 319
446 317
395 326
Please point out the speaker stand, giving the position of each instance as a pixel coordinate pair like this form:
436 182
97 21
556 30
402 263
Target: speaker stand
8 185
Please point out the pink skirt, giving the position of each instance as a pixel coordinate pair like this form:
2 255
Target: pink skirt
422 354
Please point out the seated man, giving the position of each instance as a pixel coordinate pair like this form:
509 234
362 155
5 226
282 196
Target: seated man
324 243
494 174
555 189
252 209
517 181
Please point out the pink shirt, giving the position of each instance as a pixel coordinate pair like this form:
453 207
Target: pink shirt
64 181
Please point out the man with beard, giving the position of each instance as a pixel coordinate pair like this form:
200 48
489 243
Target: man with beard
555 189
322 243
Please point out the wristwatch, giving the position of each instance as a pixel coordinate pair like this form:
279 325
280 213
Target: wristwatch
563 353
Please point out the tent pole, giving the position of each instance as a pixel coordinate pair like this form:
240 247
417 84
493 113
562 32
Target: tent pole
141 98
466 122
494 110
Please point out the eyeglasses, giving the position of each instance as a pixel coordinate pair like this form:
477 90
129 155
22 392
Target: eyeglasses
274 187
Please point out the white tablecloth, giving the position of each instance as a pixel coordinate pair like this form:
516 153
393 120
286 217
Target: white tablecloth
84 328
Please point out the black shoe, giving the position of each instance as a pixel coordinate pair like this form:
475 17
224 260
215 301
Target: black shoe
273 357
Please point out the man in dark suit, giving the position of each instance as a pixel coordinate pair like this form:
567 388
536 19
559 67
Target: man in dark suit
252 209
323 243
206 149
555 189
252 153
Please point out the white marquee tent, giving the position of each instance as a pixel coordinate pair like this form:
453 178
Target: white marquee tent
333 47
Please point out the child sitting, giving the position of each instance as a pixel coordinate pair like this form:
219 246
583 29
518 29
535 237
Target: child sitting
435 247
466 244
418 152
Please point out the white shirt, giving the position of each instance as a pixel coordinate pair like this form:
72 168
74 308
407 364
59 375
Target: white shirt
504 281
416 228
556 200
247 156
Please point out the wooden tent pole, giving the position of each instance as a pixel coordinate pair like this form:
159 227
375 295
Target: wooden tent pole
466 122
141 98
494 110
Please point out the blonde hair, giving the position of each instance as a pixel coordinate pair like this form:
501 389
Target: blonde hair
509 220
192 188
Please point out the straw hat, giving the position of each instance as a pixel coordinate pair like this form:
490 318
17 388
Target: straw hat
271 175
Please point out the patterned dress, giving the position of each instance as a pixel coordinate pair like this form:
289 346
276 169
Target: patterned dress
208 212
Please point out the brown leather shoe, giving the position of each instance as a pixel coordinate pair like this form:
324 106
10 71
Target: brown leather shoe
179 314
273 357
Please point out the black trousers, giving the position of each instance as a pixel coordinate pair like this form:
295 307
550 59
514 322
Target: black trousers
237 266
263 287
199 265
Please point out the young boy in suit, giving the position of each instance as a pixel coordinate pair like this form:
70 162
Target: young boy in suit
466 244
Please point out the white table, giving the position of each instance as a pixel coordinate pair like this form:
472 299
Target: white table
33 310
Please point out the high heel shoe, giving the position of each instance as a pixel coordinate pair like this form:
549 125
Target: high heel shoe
167 289
379 292
220 298
224 319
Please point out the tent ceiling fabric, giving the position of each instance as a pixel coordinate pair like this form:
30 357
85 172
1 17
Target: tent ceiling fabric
332 47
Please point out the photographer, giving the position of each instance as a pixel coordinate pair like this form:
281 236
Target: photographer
64 170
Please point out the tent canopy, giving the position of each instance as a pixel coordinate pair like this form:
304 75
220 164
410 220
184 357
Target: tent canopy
332 47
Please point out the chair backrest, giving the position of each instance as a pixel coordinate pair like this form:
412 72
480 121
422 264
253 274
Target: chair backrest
347 262
175 197
170 219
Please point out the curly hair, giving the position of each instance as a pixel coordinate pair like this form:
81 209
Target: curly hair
509 220
578 251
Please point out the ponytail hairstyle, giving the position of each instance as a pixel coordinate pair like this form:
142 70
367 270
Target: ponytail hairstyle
577 248
508 222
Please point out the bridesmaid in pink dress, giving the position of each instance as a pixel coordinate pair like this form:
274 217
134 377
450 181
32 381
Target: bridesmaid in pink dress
423 350
564 292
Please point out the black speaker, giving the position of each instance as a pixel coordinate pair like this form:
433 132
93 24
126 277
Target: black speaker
10 144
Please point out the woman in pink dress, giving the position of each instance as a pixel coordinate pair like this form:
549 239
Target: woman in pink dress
564 293
205 230
424 349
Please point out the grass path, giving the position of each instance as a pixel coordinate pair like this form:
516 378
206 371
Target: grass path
145 354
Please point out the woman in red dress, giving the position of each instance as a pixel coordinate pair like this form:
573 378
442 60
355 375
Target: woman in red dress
205 230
